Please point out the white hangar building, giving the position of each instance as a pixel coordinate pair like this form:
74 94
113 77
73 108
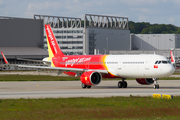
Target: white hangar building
95 34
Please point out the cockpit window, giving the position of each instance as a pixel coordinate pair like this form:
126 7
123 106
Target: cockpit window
164 62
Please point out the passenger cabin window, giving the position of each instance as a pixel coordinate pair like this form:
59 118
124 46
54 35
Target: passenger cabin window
159 62
156 62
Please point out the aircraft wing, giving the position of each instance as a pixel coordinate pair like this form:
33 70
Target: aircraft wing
55 68
63 69
33 60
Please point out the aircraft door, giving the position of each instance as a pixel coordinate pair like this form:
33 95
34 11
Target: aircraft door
120 64
87 65
147 62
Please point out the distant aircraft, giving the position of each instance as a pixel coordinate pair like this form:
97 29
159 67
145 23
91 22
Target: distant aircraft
145 68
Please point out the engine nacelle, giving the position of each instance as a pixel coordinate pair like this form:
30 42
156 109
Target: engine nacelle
47 61
145 81
91 78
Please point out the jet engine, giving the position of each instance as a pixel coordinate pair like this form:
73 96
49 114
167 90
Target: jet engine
145 81
47 61
91 78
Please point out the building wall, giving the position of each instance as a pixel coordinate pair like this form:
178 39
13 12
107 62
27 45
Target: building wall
177 43
104 40
21 33
70 40
155 41
85 41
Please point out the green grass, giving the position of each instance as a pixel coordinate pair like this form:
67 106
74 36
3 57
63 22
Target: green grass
36 78
177 73
56 78
140 108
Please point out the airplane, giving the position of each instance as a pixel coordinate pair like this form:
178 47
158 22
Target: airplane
145 68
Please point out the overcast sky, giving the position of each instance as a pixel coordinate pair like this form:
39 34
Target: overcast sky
153 11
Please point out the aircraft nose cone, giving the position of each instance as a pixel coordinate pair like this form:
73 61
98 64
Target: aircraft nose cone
171 70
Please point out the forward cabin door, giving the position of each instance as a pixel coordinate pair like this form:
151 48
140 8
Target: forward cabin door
147 63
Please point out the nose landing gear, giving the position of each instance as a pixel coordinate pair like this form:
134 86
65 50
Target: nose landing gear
156 85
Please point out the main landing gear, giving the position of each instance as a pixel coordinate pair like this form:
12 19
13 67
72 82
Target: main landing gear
85 86
156 86
122 84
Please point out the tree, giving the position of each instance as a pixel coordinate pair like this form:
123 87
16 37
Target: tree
147 28
178 31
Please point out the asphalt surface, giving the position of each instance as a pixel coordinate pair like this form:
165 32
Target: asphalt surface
66 89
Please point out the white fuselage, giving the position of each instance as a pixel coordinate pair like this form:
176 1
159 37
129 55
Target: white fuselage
139 66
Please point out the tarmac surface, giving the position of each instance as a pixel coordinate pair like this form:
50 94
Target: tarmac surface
67 89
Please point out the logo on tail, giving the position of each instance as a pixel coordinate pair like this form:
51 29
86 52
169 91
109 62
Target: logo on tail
53 47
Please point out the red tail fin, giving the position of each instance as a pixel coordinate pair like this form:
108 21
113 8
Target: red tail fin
53 47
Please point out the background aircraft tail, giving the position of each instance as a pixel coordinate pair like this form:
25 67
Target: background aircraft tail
172 58
53 47
5 60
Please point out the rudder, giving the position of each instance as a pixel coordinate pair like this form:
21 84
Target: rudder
53 47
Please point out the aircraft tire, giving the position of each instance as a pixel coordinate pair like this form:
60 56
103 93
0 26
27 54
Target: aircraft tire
120 84
84 86
124 84
156 86
88 87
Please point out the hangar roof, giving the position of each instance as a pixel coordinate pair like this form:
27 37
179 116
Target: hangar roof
25 52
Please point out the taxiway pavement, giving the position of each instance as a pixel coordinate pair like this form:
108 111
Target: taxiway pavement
66 89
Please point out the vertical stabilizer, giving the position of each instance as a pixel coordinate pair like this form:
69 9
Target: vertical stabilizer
53 47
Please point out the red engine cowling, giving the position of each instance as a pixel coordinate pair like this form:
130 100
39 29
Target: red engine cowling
145 81
91 78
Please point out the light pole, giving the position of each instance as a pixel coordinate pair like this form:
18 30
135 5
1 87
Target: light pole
158 43
148 41
104 50
107 45
170 43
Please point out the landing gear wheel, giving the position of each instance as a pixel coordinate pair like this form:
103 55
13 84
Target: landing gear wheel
156 86
124 84
88 87
84 86
120 84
